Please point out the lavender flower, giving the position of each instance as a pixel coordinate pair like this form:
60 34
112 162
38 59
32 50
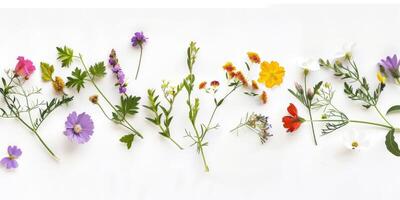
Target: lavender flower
79 128
392 65
10 161
116 69
138 39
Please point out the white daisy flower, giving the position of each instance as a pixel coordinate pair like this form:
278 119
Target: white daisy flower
356 141
346 52
308 64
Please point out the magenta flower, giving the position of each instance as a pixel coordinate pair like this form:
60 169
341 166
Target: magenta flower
79 128
392 65
24 67
10 161
116 69
138 39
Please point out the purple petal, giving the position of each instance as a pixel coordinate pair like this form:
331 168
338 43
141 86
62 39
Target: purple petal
72 119
9 163
14 151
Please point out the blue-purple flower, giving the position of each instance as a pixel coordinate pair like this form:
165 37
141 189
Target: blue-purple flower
116 69
392 65
138 39
79 128
10 162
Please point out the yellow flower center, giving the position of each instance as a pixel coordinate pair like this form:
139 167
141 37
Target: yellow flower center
77 128
354 144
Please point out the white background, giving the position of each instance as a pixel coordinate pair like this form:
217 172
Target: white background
287 166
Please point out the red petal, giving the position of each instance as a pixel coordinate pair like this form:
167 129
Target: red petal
292 110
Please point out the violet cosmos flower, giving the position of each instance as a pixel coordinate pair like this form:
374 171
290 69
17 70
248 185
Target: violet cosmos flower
138 39
79 128
116 69
10 161
392 65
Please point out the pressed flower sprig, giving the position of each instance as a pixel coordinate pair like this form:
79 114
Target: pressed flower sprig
138 40
21 103
306 97
163 113
128 105
257 123
200 130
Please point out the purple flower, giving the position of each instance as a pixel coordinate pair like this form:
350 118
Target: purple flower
10 161
138 39
116 69
79 128
391 64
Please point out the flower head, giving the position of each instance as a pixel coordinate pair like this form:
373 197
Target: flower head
254 57
271 74
392 65
230 69
381 78
293 121
254 85
58 84
355 141
202 85
10 161
308 64
214 84
94 99
24 68
346 53
138 39
116 69
239 75
79 128
264 97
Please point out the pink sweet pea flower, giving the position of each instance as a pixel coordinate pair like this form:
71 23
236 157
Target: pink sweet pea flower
24 67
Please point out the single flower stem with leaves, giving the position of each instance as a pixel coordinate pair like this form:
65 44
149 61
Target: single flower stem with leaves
18 102
128 104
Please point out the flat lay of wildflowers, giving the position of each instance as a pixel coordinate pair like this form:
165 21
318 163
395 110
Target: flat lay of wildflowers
80 77
23 104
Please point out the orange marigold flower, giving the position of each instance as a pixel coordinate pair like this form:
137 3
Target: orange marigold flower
214 84
228 67
264 97
202 85
254 57
254 85
239 75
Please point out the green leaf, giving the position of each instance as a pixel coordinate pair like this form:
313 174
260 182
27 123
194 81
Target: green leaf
98 70
77 80
247 66
129 106
65 55
393 109
47 71
391 144
128 140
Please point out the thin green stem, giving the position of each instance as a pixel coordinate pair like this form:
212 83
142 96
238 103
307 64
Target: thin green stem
308 102
140 61
176 143
382 116
359 122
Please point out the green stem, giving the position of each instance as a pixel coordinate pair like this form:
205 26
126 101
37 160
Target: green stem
309 110
382 116
359 122
176 143
108 101
140 61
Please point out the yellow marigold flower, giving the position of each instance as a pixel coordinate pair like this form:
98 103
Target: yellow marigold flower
264 97
254 85
254 57
58 84
228 67
239 75
202 85
381 78
271 74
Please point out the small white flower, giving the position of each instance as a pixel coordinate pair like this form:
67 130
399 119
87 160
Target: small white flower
346 52
308 63
356 141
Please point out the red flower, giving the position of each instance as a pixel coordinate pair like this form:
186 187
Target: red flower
292 122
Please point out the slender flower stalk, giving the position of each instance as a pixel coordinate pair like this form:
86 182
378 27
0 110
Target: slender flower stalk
139 40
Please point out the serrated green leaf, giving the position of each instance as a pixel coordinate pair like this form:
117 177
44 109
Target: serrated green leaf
128 106
77 80
393 109
391 144
98 70
65 55
47 71
128 140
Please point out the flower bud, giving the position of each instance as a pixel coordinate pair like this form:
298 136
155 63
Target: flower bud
94 99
